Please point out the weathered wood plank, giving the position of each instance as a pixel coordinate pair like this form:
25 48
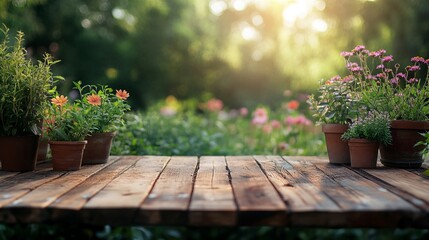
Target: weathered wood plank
118 202
258 201
169 199
30 207
360 199
15 187
306 202
212 200
67 206
404 181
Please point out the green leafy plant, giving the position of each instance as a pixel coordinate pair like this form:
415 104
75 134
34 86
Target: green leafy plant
334 102
65 121
24 88
374 127
104 108
403 94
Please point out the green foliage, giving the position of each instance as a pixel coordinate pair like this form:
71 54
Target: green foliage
66 122
374 127
216 133
334 102
106 110
24 88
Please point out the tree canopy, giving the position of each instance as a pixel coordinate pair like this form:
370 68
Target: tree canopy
242 51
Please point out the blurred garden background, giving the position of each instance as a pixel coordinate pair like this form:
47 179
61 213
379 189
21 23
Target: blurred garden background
216 77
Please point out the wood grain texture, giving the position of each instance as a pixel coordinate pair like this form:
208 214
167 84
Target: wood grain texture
30 207
306 202
291 191
118 202
169 199
360 199
257 200
212 200
67 207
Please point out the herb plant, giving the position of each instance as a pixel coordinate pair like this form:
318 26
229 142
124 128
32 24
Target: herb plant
24 88
374 127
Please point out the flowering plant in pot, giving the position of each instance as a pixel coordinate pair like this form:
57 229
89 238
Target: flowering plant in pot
24 89
402 93
334 107
105 109
65 128
364 137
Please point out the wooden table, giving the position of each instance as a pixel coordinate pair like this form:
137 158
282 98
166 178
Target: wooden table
217 191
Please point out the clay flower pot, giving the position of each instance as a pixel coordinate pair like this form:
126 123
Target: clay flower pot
67 156
338 150
18 153
403 153
363 153
97 150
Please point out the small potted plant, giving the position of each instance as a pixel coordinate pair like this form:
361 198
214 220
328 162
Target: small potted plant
65 128
364 137
334 107
400 92
24 90
105 109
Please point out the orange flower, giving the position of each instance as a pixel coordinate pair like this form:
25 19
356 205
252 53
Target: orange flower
122 94
293 105
94 100
59 100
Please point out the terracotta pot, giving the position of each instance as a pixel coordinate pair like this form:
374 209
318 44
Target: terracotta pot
67 156
97 150
18 153
42 151
338 150
363 153
403 153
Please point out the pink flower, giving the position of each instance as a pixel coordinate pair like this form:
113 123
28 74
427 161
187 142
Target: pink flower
413 80
418 59
381 66
346 54
378 53
244 111
354 67
413 68
387 59
260 116
394 81
358 48
401 75
276 124
347 79
381 75
214 105
299 120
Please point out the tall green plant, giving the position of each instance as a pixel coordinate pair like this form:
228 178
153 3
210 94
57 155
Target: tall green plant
24 87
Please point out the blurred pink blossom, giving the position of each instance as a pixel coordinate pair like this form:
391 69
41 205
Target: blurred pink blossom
299 120
244 111
276 124
214 105
260 116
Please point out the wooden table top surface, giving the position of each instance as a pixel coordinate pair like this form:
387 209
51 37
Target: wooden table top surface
217 191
